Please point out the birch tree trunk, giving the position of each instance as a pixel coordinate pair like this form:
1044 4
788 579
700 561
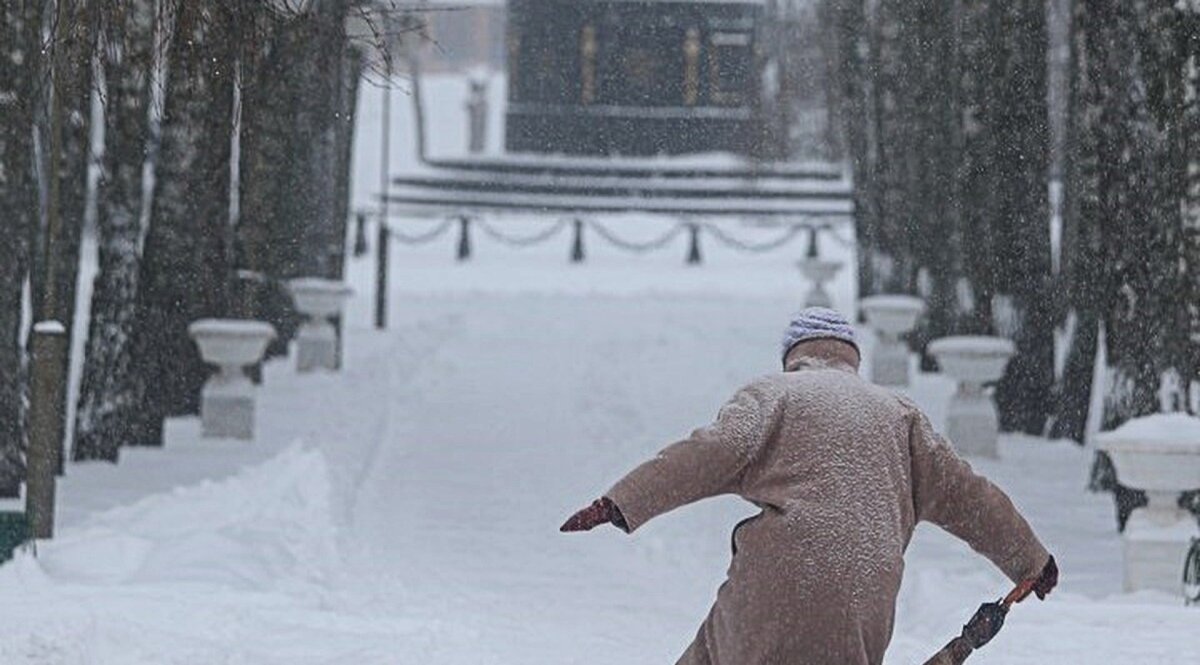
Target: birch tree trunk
72 89
348 78
185 273
264 168
20 32
317 141
108 396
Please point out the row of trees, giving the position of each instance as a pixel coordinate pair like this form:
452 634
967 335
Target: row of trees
946 125
227 129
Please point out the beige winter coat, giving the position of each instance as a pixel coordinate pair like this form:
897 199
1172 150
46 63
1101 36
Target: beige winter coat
843 470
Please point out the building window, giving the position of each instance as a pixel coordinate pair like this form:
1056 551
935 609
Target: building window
730 63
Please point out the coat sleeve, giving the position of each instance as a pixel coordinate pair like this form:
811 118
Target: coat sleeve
948 493
710 462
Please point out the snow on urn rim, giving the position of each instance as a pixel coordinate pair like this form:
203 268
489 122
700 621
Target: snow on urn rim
972 358
892 302
979 346
231 341
1158 453
317 297
1166 433
892 315
231 328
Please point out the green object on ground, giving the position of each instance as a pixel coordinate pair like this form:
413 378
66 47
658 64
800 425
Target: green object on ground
14 532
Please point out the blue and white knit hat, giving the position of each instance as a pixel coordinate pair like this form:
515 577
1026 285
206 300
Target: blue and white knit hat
818 323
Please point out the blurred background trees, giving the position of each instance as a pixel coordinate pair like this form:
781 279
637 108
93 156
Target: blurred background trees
956 139
210 114
224 170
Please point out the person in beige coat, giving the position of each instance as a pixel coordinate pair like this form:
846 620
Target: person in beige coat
842 471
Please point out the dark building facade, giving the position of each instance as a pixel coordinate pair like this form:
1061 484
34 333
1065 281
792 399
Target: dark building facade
634 77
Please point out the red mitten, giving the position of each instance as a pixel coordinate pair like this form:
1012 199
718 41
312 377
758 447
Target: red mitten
1047 580
602 511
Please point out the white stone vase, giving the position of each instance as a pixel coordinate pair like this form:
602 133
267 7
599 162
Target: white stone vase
1160 455
891 317
316 340
819 272
227 399
972 423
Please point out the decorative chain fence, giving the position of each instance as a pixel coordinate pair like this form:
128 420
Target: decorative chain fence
633 246
520 242
580 227
421 238
752 247
695 230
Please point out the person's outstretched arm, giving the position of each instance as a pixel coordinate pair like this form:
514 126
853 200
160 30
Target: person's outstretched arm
948 493
711 461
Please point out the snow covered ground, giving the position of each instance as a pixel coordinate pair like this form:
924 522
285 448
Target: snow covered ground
406 509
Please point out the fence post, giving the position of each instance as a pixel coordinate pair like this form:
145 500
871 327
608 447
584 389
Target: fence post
577 254
693 257
360 234
46 425
381 275
813 251
464 238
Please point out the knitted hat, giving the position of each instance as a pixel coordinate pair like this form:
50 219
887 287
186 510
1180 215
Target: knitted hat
818 323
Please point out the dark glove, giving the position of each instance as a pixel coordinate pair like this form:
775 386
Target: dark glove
982 627
1047 580
602 511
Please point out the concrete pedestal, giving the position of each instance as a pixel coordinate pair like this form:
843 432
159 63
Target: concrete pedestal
316 346
972 424
319 300
971 421
819 272
227 406
1155 545
892 317
1160 455
227 399
889 361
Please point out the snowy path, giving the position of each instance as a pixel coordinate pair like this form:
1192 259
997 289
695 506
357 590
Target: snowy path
524 412
531 405
415 521
405 511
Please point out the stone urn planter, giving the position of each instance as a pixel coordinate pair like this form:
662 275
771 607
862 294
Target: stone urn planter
819 272
972 424
316 341
891 317
227 400
1160 455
